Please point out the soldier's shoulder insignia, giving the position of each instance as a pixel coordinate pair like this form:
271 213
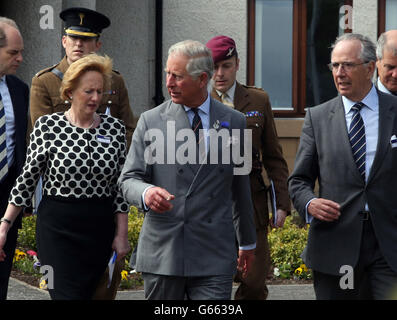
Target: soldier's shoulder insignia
253 87
49 69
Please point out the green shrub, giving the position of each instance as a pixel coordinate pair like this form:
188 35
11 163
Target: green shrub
27 234
286 245
135 220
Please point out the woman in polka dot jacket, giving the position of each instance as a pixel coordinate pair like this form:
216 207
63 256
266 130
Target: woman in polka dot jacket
79 153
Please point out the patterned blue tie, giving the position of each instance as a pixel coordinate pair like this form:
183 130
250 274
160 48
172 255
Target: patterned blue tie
357 138
3 143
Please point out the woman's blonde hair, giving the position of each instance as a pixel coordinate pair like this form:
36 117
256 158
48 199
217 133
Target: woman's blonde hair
91 62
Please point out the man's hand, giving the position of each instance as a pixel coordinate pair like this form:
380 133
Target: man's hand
158 199
281 215
3 238
323 209
245 260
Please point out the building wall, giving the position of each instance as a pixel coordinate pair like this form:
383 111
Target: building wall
129 40
365 18
203 20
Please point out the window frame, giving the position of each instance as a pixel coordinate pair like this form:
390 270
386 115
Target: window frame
299 49
381 16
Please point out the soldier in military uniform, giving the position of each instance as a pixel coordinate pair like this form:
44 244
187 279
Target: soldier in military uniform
82 31
267 153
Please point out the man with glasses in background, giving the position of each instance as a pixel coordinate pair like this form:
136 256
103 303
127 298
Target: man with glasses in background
386 53
349 145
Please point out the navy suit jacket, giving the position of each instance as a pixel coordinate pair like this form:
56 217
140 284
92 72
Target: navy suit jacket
19 92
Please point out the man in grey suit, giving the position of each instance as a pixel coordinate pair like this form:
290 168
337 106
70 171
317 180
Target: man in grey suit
349 145
195 209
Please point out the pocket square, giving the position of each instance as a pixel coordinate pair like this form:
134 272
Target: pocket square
393 141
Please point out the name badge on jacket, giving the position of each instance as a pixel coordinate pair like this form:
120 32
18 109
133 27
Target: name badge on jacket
104 139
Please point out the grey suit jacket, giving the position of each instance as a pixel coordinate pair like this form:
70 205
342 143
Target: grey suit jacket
325 154
211 207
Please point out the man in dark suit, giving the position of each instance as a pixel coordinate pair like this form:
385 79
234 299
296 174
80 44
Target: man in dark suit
14 104
197 199
266 152
349 145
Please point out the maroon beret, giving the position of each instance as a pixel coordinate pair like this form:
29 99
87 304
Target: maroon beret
222 48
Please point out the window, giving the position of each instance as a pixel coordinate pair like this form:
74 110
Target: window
290 48
387 15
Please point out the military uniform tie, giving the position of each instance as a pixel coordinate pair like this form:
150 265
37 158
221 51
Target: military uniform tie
3 142
357 138
225 100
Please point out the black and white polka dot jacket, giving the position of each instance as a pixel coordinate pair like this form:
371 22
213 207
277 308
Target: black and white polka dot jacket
74 162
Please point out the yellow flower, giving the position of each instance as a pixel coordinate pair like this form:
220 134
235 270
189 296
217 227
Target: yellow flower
299 271
19 255
43 284
304 268
124 275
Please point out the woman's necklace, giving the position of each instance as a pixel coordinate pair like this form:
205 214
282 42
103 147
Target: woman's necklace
74 123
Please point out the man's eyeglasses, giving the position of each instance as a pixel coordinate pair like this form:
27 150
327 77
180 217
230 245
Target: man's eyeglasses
347 66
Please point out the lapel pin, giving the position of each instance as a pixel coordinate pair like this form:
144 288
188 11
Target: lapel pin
216 125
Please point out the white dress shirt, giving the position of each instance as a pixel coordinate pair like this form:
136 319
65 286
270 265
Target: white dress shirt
382 88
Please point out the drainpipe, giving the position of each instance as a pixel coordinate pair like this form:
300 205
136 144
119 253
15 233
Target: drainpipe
159 98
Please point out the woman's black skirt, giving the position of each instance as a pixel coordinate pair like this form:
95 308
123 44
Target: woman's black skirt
74 238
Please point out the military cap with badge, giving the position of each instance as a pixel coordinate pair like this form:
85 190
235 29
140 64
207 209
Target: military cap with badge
82 22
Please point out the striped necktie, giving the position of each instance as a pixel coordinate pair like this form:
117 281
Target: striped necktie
225 100
3 143
357 138
197 124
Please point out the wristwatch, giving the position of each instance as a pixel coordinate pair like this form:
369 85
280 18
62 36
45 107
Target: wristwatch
6 220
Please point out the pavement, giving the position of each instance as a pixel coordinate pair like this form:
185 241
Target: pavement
19 290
